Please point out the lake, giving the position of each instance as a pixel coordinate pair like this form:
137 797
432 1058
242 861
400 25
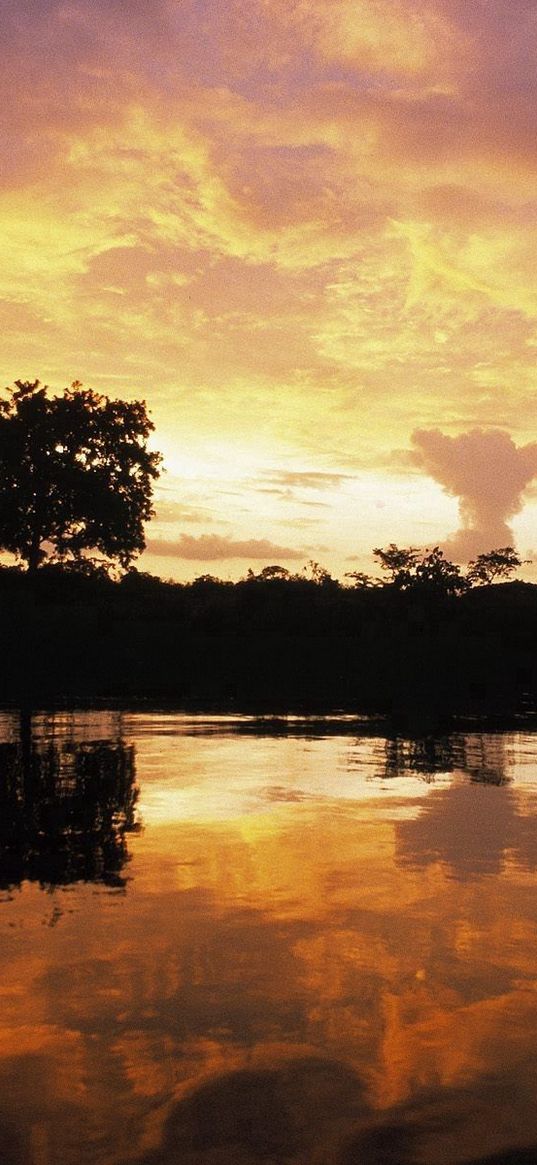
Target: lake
237 941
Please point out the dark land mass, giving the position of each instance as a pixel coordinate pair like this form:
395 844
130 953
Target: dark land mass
271 645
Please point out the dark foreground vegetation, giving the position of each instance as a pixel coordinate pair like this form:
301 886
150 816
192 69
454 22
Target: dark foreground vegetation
269 642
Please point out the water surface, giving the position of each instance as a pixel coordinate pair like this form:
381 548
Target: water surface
227 941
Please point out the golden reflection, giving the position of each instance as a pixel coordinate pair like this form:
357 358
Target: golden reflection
289 982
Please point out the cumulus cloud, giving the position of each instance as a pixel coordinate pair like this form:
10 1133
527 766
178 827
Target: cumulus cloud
213 547
488 473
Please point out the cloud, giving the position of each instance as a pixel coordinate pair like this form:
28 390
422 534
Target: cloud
390 37
170 511
213 547
288 495
308 479
488 473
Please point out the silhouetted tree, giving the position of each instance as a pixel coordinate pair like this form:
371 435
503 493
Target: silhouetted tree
398 562
486 568
269 574
206 580
320 575
360 581
75 475
429 571
437 573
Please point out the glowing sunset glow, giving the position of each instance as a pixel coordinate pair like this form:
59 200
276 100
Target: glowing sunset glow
304 232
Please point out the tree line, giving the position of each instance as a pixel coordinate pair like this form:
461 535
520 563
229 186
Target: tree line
408 568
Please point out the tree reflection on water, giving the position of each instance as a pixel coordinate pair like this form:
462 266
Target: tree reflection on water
480 756
65 810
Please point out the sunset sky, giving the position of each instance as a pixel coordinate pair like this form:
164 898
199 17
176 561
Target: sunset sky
305 232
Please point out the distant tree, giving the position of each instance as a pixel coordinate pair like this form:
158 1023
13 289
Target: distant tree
398 562
269 574
320 575
360 581
486 568
208 580
75 475
438 574
409 569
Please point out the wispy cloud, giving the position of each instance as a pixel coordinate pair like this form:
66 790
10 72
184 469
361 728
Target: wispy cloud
308 479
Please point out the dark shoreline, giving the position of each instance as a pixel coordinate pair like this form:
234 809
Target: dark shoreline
274 648
288 722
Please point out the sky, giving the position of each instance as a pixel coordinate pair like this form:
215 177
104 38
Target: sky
304 232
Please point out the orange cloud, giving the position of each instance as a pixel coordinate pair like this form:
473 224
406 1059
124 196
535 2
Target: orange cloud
212 547
488 473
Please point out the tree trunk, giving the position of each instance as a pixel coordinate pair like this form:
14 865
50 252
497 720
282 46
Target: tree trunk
34 554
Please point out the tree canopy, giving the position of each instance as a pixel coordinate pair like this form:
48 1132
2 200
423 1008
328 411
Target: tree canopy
429 570
500 563
76 475
397 561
